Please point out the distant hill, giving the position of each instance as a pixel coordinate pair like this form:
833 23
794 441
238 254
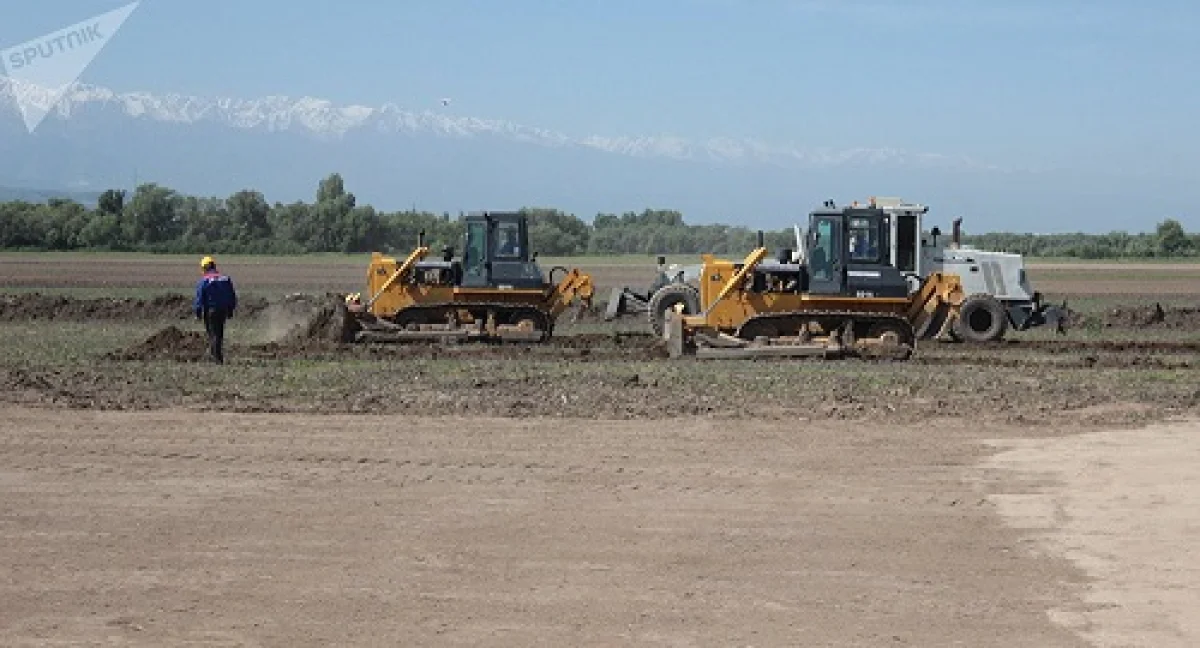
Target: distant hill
8 194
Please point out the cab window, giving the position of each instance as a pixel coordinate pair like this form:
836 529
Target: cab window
824 253
864 240
508 241
473 256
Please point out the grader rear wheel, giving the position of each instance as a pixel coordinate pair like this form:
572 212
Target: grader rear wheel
666 299
981 319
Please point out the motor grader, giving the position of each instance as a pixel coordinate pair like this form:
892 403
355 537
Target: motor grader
495 292
841 296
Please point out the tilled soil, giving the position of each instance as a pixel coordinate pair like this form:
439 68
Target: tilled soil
616 375
1156 316
39 307
622 380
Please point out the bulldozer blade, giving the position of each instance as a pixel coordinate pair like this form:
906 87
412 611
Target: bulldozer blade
768 351
375 335
725 346
720 341
520 336
456 335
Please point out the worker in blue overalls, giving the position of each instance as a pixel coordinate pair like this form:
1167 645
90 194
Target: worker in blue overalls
215 302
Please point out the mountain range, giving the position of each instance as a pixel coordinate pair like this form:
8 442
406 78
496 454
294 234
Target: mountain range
96 138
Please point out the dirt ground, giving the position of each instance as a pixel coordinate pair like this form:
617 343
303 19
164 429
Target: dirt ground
347 274
587 491
176 527
172 528
1120 505
265 274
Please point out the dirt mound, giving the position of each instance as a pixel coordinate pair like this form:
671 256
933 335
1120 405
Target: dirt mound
327 322
36 306
171 343
288 317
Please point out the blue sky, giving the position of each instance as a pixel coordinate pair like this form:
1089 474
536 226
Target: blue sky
1103 89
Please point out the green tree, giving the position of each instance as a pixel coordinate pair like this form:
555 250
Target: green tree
552 232
1172 240
152 218
112 201
331 188
103 231
250 215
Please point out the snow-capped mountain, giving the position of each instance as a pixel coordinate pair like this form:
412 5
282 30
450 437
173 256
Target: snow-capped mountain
322 118
394 158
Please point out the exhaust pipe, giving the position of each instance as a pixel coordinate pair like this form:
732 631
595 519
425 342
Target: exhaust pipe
760 239
956 235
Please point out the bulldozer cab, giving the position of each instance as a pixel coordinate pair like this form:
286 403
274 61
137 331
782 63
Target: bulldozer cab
850 253
496 252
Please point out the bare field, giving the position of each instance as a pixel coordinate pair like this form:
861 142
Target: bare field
172 528
347 273
588 491
272 275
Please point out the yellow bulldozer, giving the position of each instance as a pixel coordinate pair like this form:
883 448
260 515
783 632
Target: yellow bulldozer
840 296
495 292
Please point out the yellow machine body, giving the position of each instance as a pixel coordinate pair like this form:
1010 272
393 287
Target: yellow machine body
393 286
728 308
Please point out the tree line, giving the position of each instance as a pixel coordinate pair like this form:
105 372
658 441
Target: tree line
158 219
1168 240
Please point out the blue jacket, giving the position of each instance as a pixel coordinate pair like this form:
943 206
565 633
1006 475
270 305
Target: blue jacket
215 290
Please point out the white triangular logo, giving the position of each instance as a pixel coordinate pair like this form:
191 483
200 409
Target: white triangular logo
52 63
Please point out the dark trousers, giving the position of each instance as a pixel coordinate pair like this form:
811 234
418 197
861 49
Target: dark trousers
214 325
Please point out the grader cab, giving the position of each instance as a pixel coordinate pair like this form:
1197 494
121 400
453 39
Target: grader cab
495 291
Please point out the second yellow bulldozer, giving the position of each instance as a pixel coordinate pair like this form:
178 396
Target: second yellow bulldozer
840 296
496 291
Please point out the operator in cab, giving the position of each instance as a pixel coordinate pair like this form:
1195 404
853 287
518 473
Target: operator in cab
508 243
216 300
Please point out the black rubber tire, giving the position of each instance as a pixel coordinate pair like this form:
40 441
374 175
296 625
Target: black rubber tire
667 297
981 319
